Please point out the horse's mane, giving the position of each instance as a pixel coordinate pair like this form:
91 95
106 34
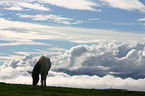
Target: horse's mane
35 73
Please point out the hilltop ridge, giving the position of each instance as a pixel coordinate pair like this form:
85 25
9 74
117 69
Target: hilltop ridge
29 90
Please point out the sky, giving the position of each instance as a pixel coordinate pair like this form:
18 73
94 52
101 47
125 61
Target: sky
91 43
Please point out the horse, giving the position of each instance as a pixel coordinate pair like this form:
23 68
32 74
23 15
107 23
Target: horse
42 67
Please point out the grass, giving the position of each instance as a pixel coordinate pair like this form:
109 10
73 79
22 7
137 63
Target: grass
29 90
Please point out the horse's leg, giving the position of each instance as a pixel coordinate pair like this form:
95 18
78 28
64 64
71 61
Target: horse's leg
45 77
41 82
42 79
45 82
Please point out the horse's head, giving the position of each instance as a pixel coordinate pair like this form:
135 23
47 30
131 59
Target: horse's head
35 79
35 73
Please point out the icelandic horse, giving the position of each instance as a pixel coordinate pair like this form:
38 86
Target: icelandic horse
42 67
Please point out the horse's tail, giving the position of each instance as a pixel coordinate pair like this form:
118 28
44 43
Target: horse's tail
35 73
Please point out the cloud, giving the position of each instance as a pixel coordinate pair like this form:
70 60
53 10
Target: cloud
14 8
94 19
96 66
122 61
10 57
73 4
63 80
6 1
21 33
28 60
24 33
84 81
21 4
69 4
57 49
22 43
142 19
33 6
129 5
23 53
52 18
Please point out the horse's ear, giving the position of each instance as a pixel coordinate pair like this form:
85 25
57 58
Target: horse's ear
30 72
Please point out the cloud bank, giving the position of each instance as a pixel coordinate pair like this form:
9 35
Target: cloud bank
104 65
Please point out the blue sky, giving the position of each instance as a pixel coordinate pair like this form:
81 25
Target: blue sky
102 20
92 40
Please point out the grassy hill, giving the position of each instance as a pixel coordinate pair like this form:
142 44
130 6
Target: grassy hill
29 90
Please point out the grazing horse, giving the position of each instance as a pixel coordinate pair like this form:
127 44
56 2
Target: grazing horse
42 67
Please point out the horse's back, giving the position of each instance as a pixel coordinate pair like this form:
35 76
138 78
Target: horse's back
45 63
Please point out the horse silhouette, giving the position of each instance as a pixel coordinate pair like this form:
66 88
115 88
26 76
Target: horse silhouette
42 67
